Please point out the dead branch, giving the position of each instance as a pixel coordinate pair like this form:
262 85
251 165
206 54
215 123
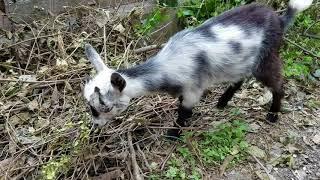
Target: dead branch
148 48
135 166
302 48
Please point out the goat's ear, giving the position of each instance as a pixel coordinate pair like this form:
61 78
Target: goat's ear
118 81
94 58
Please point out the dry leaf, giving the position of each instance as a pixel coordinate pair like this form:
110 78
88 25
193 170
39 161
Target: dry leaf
257 152
119 28
55 96
33 105
62 64
267 96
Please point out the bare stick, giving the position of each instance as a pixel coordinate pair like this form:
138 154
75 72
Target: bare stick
262 166
304 49
135 166
41 82
168 157
147 48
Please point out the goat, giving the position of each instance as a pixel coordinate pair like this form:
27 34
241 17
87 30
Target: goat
238 44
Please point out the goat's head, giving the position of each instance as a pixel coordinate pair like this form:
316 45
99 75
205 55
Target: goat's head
104 92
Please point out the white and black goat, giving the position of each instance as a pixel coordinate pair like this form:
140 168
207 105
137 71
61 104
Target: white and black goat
239 43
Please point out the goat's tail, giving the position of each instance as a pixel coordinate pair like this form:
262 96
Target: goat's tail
295 7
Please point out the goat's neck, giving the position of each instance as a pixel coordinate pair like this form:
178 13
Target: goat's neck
138 78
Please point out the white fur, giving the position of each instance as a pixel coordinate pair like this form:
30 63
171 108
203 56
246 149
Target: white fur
300 5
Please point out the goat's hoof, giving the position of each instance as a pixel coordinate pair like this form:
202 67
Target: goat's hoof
221 104
173 134
272 117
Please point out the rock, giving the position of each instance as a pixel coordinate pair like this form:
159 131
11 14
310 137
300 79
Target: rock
300 174
316 138
317 73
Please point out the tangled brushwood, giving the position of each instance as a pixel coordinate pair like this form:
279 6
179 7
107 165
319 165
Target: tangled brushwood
43 120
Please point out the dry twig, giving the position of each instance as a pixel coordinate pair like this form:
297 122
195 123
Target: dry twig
135 166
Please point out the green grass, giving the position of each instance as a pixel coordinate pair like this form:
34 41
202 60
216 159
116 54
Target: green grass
206 149
297 63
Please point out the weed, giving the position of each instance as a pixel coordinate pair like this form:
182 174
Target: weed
61 165
298 64
194 12
207 148
156 17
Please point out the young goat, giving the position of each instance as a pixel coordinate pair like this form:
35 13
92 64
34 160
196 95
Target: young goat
239 43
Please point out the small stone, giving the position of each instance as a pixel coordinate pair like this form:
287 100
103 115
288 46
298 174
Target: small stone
316 138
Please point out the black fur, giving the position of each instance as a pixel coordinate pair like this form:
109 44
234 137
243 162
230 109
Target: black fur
203 70
228 94
117 81
139 70
183 115
235 46
94 112
168 85
288 17
204 30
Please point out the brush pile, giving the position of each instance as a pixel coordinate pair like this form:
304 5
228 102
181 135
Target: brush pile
44 124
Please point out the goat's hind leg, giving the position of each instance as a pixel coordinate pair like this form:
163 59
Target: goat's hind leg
269 73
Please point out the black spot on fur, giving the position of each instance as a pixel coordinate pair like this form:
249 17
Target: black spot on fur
248 16
205 31
94 112
139 70
202 71
288 17
235 46
165 84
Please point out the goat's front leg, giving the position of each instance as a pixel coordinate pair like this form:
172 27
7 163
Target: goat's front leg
187 101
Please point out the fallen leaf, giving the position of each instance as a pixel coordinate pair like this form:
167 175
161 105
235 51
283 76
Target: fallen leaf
61 64
19 118
254 127
4 164
225 164
262 175
55 97
43 70
33 105
25 137
316 138
119 28
266 98
257 152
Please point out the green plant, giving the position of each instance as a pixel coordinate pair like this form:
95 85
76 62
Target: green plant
227 139
55 166
297 63
195 12
156 17
61 165
207 148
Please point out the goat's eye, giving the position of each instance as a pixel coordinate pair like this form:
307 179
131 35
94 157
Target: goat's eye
94 111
